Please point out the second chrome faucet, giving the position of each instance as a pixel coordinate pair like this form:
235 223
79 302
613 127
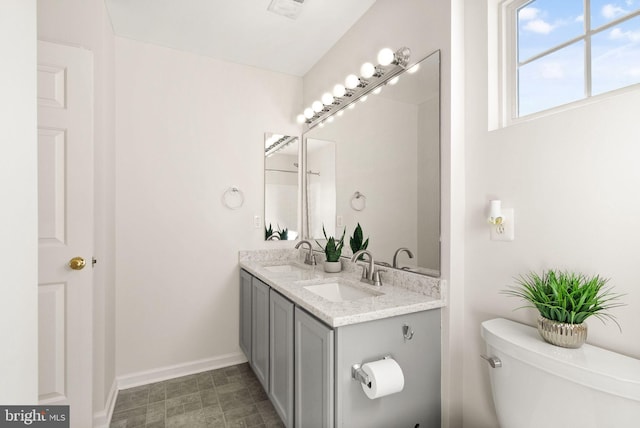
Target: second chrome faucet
369 273
398 251
309 258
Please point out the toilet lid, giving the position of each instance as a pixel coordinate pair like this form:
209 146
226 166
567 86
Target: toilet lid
588 365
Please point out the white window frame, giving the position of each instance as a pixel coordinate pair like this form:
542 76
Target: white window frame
509 63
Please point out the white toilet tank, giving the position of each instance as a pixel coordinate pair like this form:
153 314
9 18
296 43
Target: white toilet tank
542 385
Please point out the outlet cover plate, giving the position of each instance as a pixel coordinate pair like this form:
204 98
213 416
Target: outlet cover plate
509 227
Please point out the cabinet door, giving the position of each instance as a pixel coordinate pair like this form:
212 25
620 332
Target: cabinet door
260 331
245 313
313 373
281 357
419 358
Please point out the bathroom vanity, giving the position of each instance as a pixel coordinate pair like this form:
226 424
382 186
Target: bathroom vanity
303 330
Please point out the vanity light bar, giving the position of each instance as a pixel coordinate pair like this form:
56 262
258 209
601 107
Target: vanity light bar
390 64
279 145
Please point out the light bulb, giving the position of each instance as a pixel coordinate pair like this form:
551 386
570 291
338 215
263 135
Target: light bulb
330 119
386 56
495 212
340 113
367 70
308 113
339 91
351 106
327 99
301 118
317 106
363 98
321 124
377 90
413 69
394 80
351 81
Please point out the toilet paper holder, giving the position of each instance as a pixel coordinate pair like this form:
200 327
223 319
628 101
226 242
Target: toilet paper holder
358 374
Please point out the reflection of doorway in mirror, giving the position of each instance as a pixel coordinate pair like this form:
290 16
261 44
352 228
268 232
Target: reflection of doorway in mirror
321 187
281 192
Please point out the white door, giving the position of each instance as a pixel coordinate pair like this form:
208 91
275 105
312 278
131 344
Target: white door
65 198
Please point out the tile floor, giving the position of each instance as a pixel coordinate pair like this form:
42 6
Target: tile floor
225 398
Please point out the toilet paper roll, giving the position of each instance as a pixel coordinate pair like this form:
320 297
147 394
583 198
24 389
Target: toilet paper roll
386 378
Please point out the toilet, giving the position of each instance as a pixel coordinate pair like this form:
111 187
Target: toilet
536 384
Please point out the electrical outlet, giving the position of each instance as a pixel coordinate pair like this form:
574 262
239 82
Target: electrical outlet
339 221
507 233
257 221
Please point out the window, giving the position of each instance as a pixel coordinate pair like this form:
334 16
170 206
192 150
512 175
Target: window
561 51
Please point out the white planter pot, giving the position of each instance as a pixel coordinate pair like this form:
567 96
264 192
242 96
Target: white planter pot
332 267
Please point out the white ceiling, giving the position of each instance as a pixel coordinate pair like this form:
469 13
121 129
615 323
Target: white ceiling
240 31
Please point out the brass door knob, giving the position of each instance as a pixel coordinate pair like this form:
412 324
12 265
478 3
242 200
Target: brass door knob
77 263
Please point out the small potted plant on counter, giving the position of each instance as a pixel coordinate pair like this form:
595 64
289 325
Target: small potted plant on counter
332 251
356 243
564 301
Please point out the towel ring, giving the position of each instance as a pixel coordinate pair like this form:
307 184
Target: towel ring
358 201
233 198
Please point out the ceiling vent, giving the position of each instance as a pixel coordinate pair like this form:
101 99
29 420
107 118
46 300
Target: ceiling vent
288 8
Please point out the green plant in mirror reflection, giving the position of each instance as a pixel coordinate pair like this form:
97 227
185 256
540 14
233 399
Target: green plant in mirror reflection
268 232
278 234
283 233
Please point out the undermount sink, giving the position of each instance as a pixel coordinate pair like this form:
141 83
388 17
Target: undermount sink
339 292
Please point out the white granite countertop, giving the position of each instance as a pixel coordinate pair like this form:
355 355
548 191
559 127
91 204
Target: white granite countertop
401 293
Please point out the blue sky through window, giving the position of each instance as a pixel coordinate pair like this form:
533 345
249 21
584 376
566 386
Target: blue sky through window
615 57
543 24
552 80
604 11
558 78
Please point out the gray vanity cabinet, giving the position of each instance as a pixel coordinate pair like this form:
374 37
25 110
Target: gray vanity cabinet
314 375
260 331
245 313
419 358
281 356
305 366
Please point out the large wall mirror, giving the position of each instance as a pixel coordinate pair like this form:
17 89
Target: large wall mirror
385 174
281 186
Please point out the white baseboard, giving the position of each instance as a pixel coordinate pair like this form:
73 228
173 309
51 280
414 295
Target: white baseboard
102 418
170 372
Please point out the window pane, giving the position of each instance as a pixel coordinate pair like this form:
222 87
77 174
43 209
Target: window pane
615 57
603 11
543 24
552 80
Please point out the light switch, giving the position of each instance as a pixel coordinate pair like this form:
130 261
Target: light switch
339 221
257 221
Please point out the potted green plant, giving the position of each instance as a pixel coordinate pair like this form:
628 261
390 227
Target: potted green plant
332 251
356 241
564 301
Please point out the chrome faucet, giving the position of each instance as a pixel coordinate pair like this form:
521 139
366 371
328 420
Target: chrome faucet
309 258
398 251
369 274
275 236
